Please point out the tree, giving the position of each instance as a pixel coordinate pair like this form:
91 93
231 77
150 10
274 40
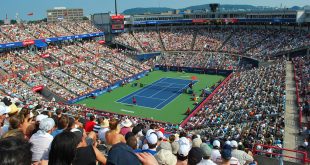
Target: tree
13 21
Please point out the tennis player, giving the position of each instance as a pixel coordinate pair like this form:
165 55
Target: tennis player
134 101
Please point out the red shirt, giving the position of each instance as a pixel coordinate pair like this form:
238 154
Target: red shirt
89 126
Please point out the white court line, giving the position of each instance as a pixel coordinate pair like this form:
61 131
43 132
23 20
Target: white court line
137 106
140 90
171 96
153 84
149 97
176 97
124 110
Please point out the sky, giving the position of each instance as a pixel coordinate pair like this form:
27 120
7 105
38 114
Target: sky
39 7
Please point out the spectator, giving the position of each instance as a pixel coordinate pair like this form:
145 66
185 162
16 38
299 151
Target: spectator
131 141
103 130
89 126
63 149
226 157
97 127
62 124
3 112
215 153
15 151
152 141
183 151
137 130
113 136
165 157
206 152
126 127
42 139
86 154
164 145
195 156
242 156
122 154
175 147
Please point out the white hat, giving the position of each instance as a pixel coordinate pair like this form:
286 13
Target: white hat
46 124
184 150
164 145
4 110
151 137
145 147
41 117
196 142
165 157
126 123
183 141
184 146
234 144
216 143
160 135
228 142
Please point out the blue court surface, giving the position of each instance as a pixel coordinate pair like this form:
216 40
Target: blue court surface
158 94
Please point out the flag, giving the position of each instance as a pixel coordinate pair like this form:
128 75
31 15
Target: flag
30 14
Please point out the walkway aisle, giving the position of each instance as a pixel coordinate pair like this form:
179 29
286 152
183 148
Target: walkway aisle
291 138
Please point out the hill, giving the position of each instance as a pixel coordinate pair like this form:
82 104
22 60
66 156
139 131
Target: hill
197 8
152 10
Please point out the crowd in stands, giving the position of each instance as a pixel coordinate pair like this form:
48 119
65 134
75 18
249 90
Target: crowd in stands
71 69
177 40
11 63
30 31
242 40
257 43
278 41
302 68
245 109
32 133
211 40
149 40
129 39
3 38
210 60
69 82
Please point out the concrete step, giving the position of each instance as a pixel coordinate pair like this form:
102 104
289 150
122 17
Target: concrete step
291 132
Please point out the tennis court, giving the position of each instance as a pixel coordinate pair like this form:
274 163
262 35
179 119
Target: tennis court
158 94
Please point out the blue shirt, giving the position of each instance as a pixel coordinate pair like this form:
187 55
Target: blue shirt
149 151
56 132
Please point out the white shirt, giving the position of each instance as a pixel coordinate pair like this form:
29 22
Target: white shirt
215 153
101 133
206 162
232 161
41 142
305 144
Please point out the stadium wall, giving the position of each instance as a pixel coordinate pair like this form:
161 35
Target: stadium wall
174 27
146 56
194 70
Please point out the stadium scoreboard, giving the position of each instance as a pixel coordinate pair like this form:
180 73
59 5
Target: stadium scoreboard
117 22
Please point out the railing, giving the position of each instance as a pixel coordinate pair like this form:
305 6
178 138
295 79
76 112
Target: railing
304 154
206 100
297 97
